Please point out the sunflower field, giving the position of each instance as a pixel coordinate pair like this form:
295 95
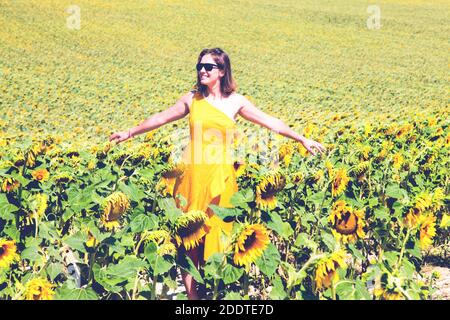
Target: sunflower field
82 218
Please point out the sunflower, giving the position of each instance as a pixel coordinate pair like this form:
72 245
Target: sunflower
384 294
445 222
427 230
10 184
348 223
266 190
190 228
340 181
249 244
7 253
39 289
326 269
157 236
365 152
169 177
403 130
397 160
39 207
91 241
40 175
329 167
285 153
239 168
422 202
167 248
62 178
114 207
297 177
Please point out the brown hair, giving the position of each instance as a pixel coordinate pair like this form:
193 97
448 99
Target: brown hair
227 83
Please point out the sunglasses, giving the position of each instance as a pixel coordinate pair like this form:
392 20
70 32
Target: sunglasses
208 66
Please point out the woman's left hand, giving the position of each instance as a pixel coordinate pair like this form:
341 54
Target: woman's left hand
310 145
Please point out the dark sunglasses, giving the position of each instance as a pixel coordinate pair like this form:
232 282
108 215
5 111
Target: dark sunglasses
208 66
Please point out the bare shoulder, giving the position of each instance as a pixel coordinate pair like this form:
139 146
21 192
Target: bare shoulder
240 100
188 97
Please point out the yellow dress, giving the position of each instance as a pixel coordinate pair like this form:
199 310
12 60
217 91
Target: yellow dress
209 169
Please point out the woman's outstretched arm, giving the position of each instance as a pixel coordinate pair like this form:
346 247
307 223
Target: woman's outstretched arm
251 113
179 110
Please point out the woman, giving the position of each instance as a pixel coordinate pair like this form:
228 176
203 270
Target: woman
209 177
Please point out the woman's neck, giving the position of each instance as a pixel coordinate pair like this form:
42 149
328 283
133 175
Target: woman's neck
214 92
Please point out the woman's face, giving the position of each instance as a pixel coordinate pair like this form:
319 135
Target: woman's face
209 77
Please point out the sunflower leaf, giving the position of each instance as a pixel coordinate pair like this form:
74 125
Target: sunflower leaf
76 241
278 292
170 209
212 266
269 260
281 227
127 267
65 293
143 222
187 265
224 213
158 264
6 208
239 199
231 274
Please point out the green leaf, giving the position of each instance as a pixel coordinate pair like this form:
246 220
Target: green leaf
356 252
127 267
304 241
212 266
242 198
65 293
225 213
231 274
132 191
6 208
382 213
284 229
278 292
269 260
372 202
394 191
143 222
329 241
170 209
77 241
158 264
31 253
53 270
12 232
185 263
146 173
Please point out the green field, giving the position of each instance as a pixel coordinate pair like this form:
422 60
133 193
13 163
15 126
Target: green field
310 59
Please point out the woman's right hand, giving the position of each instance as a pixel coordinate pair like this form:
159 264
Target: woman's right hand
121 136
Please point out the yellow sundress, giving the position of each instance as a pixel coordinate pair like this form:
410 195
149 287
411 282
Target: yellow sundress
209 169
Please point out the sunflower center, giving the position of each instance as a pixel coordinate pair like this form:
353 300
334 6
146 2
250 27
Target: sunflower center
2 250
348 223
190 229
269 192
249 241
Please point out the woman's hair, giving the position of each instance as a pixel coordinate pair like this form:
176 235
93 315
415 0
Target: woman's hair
227 83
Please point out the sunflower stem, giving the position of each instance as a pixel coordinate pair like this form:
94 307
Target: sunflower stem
24 167
246 278
153 292
402 251
333 290
215 289
135 289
